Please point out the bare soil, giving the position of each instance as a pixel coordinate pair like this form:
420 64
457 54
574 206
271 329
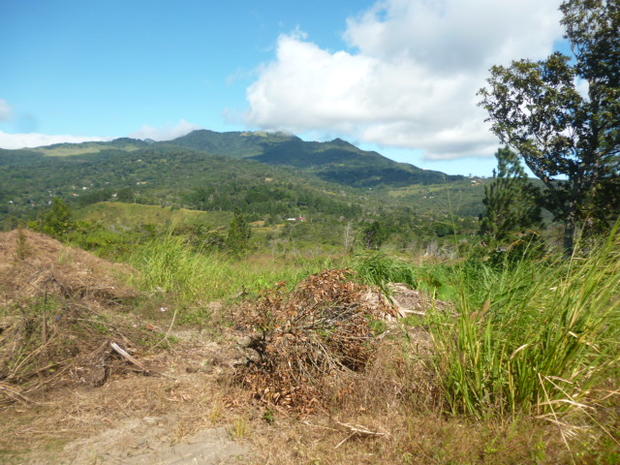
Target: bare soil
182 417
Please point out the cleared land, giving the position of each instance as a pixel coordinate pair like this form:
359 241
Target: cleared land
314 368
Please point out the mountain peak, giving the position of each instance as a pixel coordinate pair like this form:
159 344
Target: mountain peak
127 140
337 160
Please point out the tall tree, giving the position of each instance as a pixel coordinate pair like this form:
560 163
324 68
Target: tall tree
570 140
511 201
239 233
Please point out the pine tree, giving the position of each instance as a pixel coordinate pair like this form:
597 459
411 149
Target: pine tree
374 235
58 220
511 201
239 233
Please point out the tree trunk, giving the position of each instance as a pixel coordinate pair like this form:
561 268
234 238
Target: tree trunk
569 236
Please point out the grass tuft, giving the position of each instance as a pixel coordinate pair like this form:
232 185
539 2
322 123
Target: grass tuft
534 338
378 269
168 266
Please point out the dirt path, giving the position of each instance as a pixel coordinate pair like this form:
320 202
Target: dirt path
145 442
179 419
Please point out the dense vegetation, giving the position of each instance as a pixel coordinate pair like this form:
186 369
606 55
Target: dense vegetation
165 175
176 176
207 170
337 161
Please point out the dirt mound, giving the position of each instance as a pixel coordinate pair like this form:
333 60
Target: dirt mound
59 319
325 327
34 265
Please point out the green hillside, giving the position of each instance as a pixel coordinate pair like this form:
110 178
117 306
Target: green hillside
165 175
256 172
336 161
462 198
267 176
67 149
121 215
234 144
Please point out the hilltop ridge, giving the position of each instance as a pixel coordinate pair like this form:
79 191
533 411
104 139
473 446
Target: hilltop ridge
336 161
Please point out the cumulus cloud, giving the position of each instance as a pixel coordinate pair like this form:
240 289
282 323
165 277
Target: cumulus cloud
409 76
33 139
5 110
165 133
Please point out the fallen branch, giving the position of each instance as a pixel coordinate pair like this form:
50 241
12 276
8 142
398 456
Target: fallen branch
403 312
358 430
123 353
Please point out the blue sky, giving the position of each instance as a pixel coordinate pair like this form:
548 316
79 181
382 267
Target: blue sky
396 77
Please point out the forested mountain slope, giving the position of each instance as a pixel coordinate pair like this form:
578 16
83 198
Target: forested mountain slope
167 175
336 160
258 173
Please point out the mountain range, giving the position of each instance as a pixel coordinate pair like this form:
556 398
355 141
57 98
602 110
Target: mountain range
336 161
208 170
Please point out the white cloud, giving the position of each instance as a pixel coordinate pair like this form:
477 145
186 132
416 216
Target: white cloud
33 139
5 110
165 133
411 74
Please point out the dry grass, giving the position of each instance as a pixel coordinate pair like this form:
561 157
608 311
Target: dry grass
33 265
395 394
397 397
384 402
67 345
415 438
59 314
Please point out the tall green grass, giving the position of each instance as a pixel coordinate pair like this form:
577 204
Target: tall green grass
536 337
378 269
170 267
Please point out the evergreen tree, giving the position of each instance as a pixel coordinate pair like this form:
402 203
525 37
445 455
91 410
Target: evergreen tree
374 235
511 201
239 233
57 221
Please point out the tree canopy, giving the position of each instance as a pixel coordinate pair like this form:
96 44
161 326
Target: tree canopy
239 233
562 114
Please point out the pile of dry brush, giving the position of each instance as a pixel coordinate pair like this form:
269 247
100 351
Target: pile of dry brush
303 340
59 318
